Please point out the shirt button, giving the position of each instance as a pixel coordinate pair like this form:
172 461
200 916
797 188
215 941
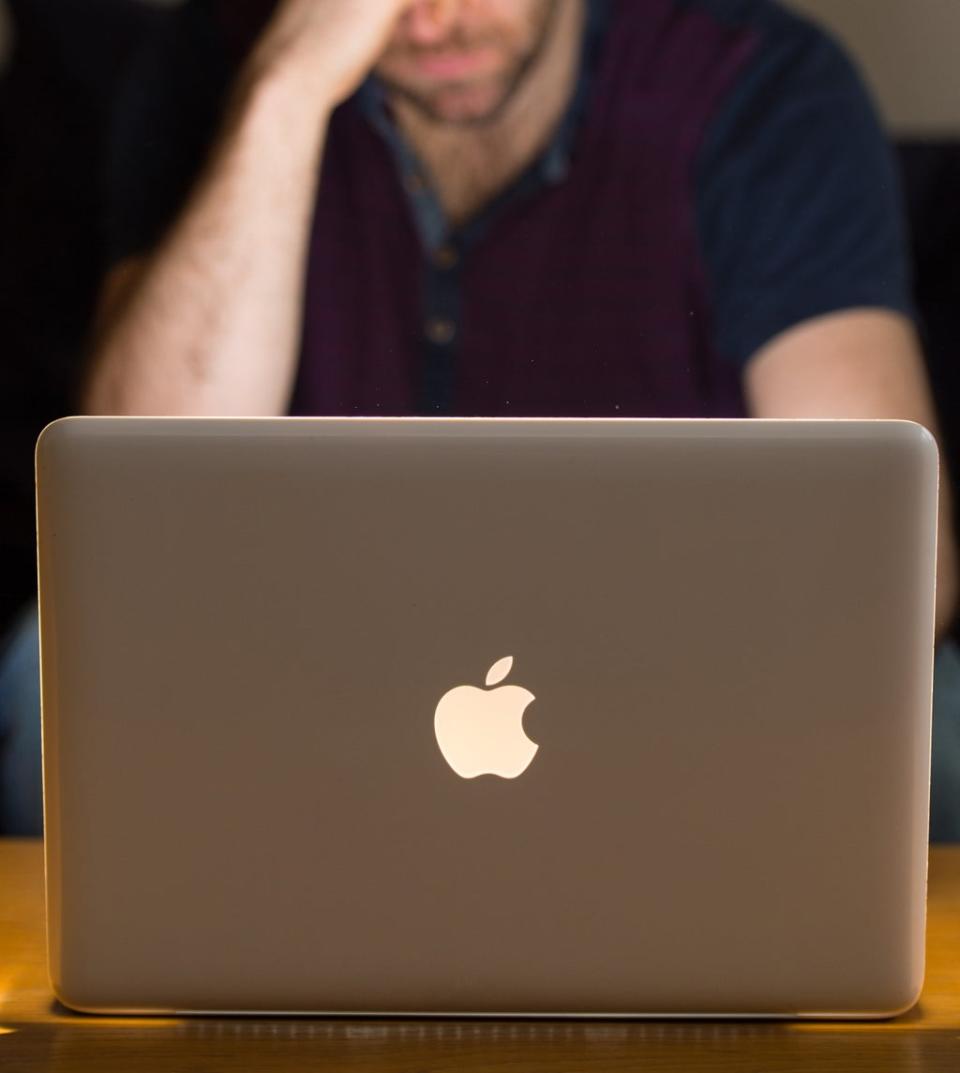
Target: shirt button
440 331
446 257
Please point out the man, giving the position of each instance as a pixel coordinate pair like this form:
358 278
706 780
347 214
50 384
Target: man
505 207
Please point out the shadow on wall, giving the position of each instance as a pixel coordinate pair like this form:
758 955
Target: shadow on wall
931 174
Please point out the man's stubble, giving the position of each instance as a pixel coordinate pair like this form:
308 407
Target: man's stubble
543 21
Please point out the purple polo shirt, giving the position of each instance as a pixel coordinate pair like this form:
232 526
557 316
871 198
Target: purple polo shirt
718 178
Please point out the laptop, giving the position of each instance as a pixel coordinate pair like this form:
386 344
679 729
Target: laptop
477 717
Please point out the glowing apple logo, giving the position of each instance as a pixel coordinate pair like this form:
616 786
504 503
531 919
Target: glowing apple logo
480 731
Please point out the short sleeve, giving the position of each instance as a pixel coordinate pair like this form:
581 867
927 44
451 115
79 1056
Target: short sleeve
162 125
798 200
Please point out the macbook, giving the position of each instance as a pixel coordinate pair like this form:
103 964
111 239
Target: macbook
487 717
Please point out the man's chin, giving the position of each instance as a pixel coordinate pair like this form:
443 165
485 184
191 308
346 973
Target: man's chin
470 106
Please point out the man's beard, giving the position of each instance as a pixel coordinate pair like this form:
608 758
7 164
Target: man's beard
511 82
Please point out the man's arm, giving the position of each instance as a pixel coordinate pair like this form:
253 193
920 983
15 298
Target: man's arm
209 322
855 364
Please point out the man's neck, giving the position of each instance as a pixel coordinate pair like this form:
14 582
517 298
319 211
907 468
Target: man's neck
471 164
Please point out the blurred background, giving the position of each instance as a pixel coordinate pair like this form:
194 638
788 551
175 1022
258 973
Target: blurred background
62 61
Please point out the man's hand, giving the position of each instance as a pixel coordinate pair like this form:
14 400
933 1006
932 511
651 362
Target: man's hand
327 46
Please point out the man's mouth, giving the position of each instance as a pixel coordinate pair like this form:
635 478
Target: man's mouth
455 64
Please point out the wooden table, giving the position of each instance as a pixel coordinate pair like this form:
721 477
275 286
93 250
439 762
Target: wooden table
38 1035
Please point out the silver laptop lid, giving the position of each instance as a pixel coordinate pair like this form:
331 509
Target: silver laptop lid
480 716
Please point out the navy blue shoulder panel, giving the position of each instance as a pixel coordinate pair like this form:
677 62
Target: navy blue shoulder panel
798 201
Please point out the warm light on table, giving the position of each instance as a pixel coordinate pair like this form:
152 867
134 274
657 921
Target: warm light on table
38 1035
